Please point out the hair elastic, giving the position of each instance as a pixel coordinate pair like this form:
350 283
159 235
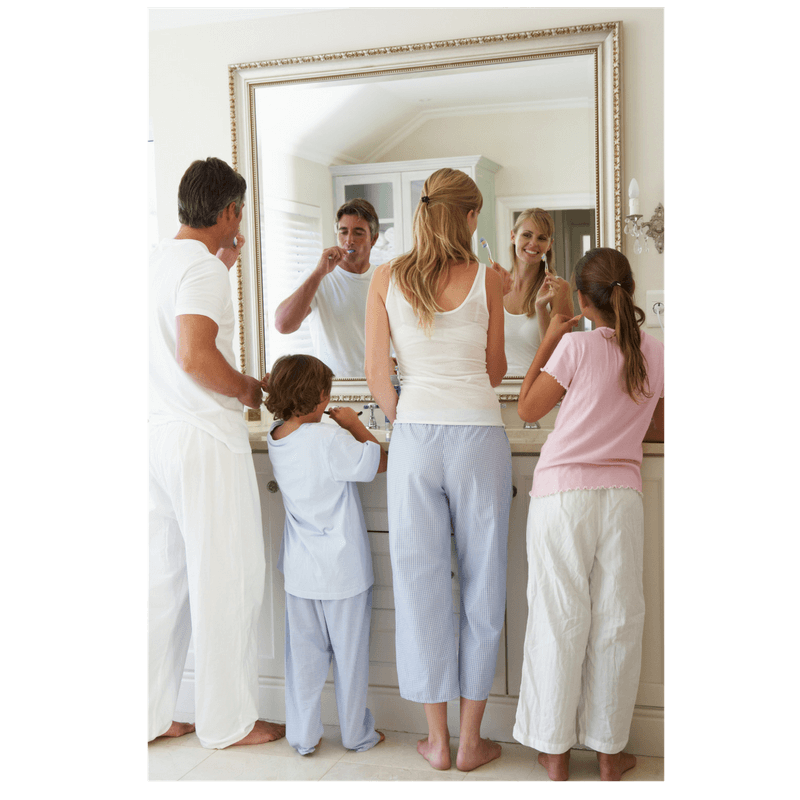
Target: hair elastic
616 283
426 199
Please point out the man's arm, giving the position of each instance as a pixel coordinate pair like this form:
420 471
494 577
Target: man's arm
198 357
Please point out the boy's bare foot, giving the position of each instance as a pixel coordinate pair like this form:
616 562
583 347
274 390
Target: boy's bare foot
474 756
557 766
263 732
438 756
613 766
177 729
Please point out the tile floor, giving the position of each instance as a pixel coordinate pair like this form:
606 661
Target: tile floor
395 759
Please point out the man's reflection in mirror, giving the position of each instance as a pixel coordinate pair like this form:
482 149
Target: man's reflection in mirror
334 295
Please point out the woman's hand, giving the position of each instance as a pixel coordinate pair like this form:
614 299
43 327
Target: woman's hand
505 277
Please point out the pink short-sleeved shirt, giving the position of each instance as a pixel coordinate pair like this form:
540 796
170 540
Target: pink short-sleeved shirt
597 439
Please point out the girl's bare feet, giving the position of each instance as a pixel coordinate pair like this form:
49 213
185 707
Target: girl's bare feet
177 729
557 766
471 756
436 754
263 732
612 766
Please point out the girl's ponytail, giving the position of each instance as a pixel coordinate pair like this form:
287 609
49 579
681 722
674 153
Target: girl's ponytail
604 277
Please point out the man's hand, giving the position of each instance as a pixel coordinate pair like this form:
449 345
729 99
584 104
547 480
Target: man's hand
252 392
330 259
228 255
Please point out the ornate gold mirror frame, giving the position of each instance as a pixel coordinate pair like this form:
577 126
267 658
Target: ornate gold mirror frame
601 39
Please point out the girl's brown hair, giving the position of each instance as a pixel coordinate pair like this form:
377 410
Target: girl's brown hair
441 237
296 385
604 277
544 222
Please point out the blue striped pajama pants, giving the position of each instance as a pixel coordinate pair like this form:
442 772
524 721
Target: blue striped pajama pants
443 479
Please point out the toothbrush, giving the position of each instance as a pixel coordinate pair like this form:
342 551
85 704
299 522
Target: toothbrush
485 244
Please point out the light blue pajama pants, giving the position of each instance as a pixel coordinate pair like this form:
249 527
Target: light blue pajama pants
316 632
445 479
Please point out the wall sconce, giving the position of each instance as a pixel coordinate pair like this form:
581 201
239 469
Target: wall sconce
641 230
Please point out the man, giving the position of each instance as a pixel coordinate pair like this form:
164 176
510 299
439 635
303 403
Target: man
335 293
207 561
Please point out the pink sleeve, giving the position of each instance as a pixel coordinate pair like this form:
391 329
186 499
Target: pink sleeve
564 361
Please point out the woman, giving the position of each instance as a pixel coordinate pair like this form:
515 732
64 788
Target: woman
450 463
536 291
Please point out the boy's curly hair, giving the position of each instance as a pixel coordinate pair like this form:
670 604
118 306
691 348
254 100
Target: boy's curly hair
296 384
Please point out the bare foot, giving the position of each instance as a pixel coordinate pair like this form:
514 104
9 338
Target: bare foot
557 766
177 729
613 766
383 738
470 757
263 732
438 756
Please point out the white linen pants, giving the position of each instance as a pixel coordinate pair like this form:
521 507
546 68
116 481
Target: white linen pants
583 641
207 571
445 479
316 632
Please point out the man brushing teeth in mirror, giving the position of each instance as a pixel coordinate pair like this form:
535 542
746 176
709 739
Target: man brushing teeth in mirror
334 295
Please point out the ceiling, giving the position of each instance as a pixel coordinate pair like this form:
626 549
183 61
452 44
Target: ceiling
357 121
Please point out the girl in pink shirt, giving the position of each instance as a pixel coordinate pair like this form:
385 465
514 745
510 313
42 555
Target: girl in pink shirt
583 642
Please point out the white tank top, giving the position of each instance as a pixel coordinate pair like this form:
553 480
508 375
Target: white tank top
522 341
443 376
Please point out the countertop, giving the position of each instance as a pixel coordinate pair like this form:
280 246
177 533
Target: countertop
522 441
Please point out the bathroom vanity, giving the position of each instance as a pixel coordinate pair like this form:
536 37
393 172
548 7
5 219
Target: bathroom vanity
390 710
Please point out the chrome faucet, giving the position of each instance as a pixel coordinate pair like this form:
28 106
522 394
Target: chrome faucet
371 423
534 426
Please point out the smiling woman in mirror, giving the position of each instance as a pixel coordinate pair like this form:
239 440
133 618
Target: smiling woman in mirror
335 293
533 290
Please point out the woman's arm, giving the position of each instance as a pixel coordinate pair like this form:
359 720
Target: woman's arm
378 361
496 364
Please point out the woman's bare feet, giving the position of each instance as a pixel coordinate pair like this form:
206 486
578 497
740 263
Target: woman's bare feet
177 729
436 754
471 756
557 766
263 732
612 766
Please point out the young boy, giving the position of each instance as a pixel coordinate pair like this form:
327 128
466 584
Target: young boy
325 556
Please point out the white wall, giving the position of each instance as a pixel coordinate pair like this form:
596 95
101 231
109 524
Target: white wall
190 108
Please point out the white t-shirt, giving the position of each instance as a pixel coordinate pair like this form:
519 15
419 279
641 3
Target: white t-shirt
444 378
325 552
337 320
186 279
522 341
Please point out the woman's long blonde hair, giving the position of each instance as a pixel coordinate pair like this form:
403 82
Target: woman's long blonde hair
441 237
544 222
604 277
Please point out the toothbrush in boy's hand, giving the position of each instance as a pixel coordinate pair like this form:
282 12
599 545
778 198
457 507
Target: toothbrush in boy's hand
327 411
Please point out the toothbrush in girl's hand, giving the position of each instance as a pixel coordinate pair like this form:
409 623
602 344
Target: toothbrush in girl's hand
485 244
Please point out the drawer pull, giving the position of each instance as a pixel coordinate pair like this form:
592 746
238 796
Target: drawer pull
273 487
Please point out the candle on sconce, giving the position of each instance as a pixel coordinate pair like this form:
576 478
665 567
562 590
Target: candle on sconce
633 197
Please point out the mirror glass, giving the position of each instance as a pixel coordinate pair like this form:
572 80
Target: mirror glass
529 130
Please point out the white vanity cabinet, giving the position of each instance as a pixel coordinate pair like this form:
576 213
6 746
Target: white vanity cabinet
394 189
390 710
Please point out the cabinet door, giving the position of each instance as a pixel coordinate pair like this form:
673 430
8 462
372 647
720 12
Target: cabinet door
516 592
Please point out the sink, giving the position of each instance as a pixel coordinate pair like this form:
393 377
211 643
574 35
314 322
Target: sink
528 435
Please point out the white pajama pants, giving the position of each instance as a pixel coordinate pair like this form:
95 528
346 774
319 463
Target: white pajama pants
583 642
207 571
316 632
445 479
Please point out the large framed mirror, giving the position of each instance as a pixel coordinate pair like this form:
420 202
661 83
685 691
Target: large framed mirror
533 116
